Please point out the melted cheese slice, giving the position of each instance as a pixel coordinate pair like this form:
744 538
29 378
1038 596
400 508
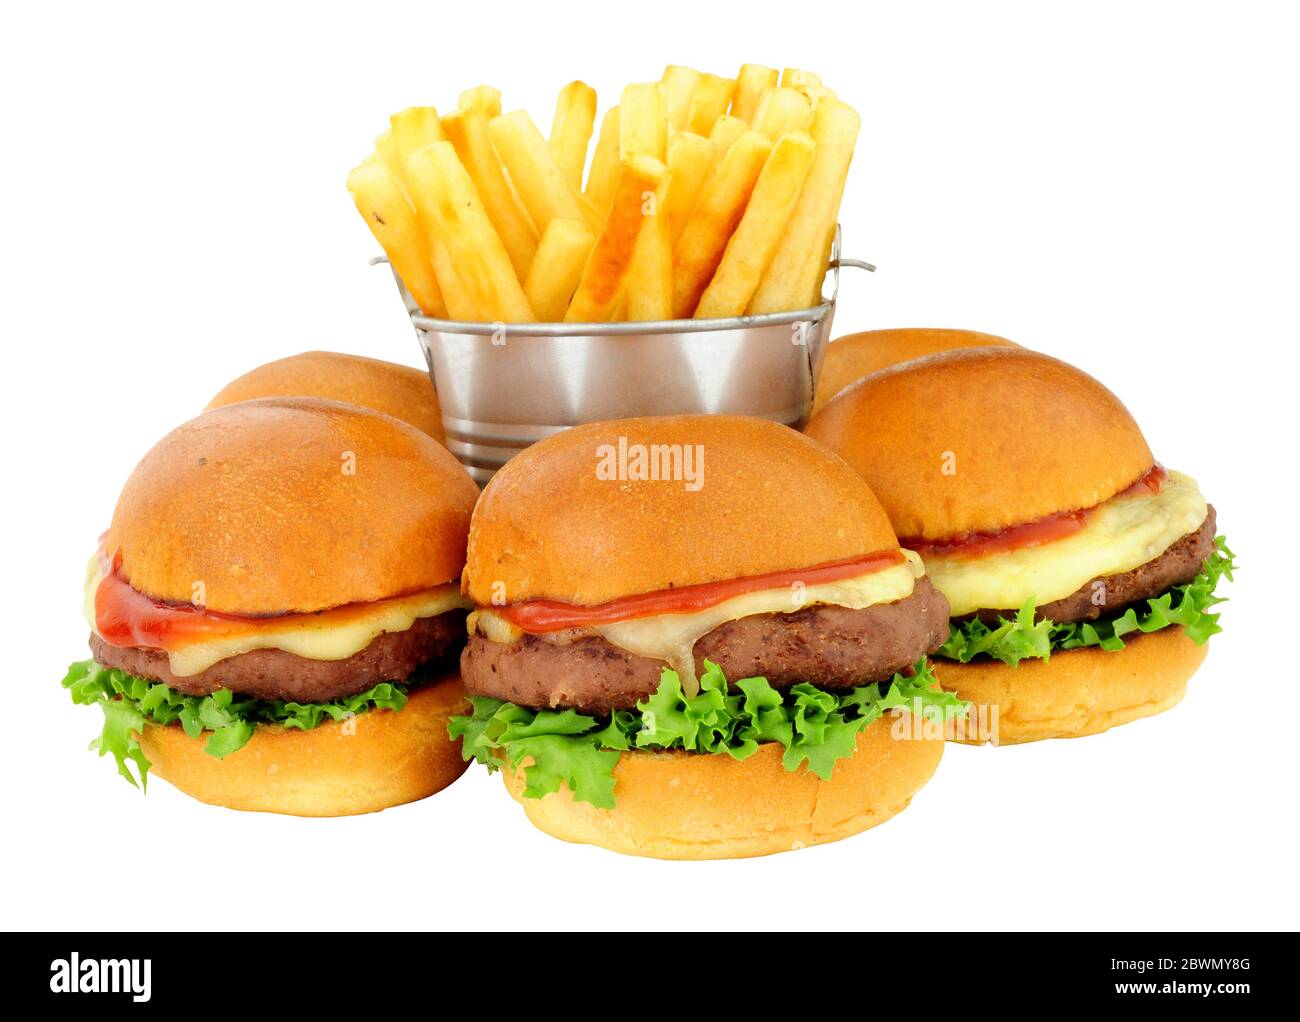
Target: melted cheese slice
330 635
672 637
1118 536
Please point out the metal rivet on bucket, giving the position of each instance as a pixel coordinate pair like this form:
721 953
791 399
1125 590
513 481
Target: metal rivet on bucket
505 386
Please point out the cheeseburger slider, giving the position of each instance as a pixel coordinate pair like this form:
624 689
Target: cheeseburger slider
396 390
850 358
275 613
1079 571
686 634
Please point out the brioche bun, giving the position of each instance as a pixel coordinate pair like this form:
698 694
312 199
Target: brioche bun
850 358
396 390
292 505
682 805
1079 691
548 526
373 761
983 439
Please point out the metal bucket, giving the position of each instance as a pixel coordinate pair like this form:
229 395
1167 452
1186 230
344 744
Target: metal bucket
505 386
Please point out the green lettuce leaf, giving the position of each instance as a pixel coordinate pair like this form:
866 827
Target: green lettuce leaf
130 702
1013 640
816 728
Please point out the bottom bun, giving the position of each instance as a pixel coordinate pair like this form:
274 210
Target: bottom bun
1077 692
681 805
369 762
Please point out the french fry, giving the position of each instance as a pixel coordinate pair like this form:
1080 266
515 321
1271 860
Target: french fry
816 94
690 158
391 219
603 176
752 81
594 218
386 150
649 289
393 147
793 78
678 87
816 269
483 98
536 175
444 192
794 277
754 242
460 304
725 132
781 111
643 126
650 283
561 257
607 267
575 113
714 219
710 101
467 130
414 128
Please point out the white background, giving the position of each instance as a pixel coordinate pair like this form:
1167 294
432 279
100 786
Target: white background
1116 186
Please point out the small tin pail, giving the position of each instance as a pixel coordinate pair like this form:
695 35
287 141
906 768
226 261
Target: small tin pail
505 386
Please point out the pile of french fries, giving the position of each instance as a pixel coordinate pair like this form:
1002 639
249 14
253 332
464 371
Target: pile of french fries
706 197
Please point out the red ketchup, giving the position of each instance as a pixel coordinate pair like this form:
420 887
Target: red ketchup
124 616
541 616
1044 530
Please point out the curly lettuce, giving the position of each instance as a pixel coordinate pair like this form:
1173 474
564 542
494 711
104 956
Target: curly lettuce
1014 639
130 702
814 726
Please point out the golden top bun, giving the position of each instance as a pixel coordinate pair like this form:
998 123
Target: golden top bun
1077 692
373 761
982 439
399 391
682 805
549 526
850 358
284 505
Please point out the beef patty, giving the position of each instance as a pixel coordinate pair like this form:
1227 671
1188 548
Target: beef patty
831 647
275 674
1180 563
